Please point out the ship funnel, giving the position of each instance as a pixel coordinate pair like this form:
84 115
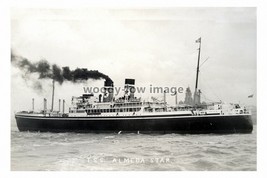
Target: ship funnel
53 91
129 88
108 91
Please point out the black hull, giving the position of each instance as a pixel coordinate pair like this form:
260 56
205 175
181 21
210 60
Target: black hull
163 124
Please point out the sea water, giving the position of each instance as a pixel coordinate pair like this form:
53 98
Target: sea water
138 152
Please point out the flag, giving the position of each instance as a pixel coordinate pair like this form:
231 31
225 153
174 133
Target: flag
250 96
198 40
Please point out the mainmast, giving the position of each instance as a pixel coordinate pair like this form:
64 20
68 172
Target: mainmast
196 94
52 105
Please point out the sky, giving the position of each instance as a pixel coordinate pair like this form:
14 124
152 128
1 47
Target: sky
154 46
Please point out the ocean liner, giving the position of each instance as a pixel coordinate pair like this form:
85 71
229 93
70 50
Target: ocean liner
131 114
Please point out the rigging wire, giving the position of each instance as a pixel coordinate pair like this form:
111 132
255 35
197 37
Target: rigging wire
204 62
202 93
207 99
209 87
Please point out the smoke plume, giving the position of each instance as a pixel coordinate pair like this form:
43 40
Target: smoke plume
44 70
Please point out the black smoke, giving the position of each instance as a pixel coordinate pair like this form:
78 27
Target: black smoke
44 70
